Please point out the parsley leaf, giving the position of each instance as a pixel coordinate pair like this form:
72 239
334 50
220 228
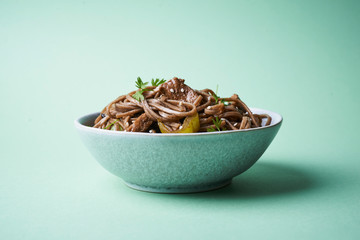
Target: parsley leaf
211 129
157 82
142 88
138 95
140 84
111 124
216 96
217 123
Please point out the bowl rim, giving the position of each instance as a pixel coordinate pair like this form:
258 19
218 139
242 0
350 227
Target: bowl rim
80 126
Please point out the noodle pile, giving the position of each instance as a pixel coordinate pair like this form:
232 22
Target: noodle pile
170 106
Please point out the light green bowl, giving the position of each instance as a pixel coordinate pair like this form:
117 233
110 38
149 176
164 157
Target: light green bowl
177 163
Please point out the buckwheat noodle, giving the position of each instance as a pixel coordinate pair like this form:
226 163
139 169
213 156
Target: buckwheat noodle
128 114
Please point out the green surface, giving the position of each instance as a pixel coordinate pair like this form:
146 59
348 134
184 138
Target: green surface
61 60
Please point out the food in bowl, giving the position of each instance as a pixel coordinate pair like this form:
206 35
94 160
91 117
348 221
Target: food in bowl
174 107
178 161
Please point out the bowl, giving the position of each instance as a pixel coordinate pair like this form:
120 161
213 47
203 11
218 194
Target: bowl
177 163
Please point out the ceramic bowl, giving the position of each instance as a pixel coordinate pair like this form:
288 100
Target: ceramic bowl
177 163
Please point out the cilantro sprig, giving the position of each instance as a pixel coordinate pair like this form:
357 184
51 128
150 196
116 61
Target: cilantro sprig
138 95
217 123
156 82
216 96
142 88
112 124
140 84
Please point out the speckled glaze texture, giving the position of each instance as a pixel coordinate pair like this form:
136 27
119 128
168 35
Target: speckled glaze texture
177 163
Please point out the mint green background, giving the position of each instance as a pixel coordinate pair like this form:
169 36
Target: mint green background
60 60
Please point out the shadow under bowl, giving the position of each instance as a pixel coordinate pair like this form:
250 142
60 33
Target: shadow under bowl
177 163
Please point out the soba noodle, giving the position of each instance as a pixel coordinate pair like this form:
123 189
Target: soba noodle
126 113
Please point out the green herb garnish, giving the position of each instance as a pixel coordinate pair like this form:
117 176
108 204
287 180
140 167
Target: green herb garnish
111 124
138 95
217 123
157 82
142 88
140 84
211 129
216 96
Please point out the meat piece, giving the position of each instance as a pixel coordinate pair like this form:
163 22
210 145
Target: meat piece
176 89
142 123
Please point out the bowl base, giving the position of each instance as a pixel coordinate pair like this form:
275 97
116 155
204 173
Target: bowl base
195 189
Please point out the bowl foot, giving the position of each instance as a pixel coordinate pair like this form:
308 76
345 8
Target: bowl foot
195 189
